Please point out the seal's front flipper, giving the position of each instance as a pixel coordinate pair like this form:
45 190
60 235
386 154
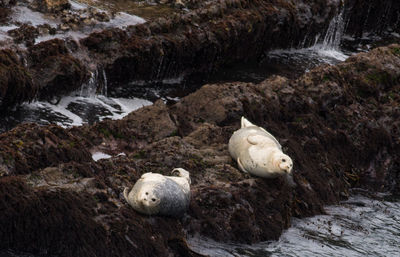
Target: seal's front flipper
272 138
259 140
241 166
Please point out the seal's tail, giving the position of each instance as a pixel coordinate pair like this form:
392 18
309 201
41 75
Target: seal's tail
246 123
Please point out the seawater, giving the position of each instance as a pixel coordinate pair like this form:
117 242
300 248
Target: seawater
73 110
360 226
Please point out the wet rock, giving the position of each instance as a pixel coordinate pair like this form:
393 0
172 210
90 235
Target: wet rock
24 34
4 14
206 38
56 71
199 40
373 18
7 3
16 85
50 5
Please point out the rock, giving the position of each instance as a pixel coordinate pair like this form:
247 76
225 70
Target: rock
4 14
362 17
24 34
206 38
50 6
56 71
16 85
7 3
195 41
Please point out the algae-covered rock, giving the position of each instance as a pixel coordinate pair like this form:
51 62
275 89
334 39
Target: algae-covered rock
16 85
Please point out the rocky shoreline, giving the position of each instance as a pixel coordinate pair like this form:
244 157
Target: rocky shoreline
199 37
340 124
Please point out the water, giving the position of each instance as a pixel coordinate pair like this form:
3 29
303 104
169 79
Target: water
73 110
360 226
21 14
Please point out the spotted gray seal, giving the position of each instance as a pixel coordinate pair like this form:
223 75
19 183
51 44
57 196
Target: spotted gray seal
259 153
156 194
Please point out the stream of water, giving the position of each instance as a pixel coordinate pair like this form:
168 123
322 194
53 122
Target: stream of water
360 226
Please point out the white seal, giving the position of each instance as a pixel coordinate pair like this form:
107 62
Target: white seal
259 153
158 194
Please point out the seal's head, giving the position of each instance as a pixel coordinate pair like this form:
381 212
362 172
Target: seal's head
148 200
285 165
284 162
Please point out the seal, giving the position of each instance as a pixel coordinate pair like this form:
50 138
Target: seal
156 194
259 153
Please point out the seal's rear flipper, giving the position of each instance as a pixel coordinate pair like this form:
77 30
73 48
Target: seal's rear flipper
241 166
126 194
245 123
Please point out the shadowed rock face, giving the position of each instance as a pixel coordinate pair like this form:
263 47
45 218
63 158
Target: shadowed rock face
212 35
16 85
340 125
376 18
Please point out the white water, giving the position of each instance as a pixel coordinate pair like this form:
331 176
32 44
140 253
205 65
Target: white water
99 155
73 110
24 15
323 51
358 227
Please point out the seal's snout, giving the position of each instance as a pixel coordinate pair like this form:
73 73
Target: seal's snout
147 199
288 168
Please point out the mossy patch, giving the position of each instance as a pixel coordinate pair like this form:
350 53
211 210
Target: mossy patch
396 51
140 155
379 78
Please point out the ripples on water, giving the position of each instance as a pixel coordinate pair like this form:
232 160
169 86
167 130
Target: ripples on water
358 227
71 111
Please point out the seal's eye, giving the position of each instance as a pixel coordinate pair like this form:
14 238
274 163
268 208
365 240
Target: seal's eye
147 193
283 160
153 199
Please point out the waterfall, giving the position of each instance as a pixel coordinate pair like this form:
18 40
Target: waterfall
335 32
89 88
97 83
104 83
330 46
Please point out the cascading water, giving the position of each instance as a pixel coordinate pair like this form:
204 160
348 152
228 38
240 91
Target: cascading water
330 46
326 49
85 105
335 32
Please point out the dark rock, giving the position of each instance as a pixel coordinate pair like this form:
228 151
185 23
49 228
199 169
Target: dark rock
16 84
206 38
56 72
25 33
373 17
4 14
50 5
200 40
7 3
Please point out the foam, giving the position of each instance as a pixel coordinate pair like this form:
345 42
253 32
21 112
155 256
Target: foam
99 155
